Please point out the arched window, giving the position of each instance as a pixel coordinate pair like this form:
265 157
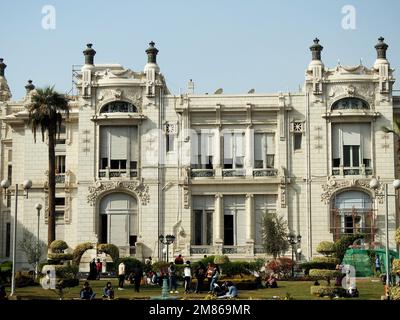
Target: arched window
352 213
118 106
350 103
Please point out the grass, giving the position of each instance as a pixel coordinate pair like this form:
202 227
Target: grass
370 289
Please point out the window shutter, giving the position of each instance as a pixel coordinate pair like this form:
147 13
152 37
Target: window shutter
351 134
258 146
366 140
104 141
119 142
194 147
134 143
239 144
228 146
270 143
336 142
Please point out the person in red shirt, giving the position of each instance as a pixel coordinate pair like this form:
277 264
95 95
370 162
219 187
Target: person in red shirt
99 267
179 259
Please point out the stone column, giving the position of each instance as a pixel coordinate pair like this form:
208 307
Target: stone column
219 223
250 219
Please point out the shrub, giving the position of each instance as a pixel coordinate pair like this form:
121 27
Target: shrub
343 244
326 260
322 291
110 249
326 248
307 266
6 266
221 259
160 266
396 265
130 264
24 280
79 251
394 293
282 266
205 261
60 256
67 271
236 268
323 274
397 236
58 246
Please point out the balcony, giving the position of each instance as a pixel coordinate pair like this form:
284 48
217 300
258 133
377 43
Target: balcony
233 172
265 172
60 178
352 171
202 173
117 173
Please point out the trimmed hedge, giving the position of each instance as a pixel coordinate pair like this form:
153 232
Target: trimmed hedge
110 249
130 264
221 259
326 259
307 266
396 265
394 293
322 291
79 250
60 256
58 246
323 274
326 248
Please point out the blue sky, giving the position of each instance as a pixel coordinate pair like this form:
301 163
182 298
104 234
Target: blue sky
236 45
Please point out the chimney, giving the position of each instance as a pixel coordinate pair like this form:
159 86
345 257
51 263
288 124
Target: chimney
152 52
381 48
89 54
3 66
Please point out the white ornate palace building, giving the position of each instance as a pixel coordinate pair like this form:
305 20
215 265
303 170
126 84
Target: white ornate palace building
135 161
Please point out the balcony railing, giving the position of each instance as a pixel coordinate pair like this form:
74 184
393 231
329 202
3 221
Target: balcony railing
117 173
201 249
233 172
60 178
202 173
352 171
265 172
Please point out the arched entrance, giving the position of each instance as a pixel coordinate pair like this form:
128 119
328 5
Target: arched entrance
118 220
352 212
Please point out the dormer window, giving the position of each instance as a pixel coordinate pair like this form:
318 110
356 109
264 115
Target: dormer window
118 106
350 104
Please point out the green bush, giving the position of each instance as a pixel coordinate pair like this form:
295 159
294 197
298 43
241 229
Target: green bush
396 265
235 268
66 271
6 266
130 264
322 291
323 274
343 244
79 251
58 246
160 266
221 259
326 248
326 260
307 266
5 272
60 256
205 261
394 293
110 249
22 279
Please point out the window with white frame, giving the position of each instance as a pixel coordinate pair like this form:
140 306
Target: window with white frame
351 145
60 164
264 150
234 150
202 145
203 211
119 149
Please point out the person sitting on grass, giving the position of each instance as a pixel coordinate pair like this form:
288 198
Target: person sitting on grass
232 291
217 290
108 291
87 292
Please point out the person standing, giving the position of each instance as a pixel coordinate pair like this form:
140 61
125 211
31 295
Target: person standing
172 278
99 267
200 274
137 274
179 259
187 271
92 270
121 275
377 264
214 278
209 273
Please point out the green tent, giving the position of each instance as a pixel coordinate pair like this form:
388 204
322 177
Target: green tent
361 261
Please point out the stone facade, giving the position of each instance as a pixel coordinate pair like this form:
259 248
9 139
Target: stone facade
258 153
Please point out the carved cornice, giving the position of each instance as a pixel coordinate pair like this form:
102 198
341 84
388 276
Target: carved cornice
136 187
332 186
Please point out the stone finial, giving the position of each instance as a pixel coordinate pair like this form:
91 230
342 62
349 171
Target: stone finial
381 48
29 87
316 49
3 66
152 52
89 54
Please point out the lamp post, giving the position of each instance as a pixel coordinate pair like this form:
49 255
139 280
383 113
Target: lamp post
167 240
5 184
374 184
293 240
38 207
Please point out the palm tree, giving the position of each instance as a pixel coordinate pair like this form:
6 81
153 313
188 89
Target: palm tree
46 112
395 129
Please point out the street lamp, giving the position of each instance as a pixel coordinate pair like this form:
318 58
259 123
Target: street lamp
167 240
5 184
293 240
38 207
374 184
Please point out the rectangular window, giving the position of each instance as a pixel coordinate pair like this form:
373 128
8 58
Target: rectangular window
209 224
60 201
60 164
59 215
169 141
297 137
8 239
264 150
234 150
198 227
203 221
9 173
228 230
351 156
202 149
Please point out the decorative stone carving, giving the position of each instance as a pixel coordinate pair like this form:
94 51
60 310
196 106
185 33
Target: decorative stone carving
332 186
99 187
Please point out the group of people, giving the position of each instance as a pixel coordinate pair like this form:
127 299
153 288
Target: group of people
87 293
95 269
135 277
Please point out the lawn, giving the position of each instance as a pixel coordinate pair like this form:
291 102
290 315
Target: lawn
370 289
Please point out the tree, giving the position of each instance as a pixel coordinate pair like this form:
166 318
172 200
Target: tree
274 234
31 248
46 112
395 128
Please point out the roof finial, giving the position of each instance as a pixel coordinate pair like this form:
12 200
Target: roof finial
89 54
381 48
3 66
316 49
152 52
